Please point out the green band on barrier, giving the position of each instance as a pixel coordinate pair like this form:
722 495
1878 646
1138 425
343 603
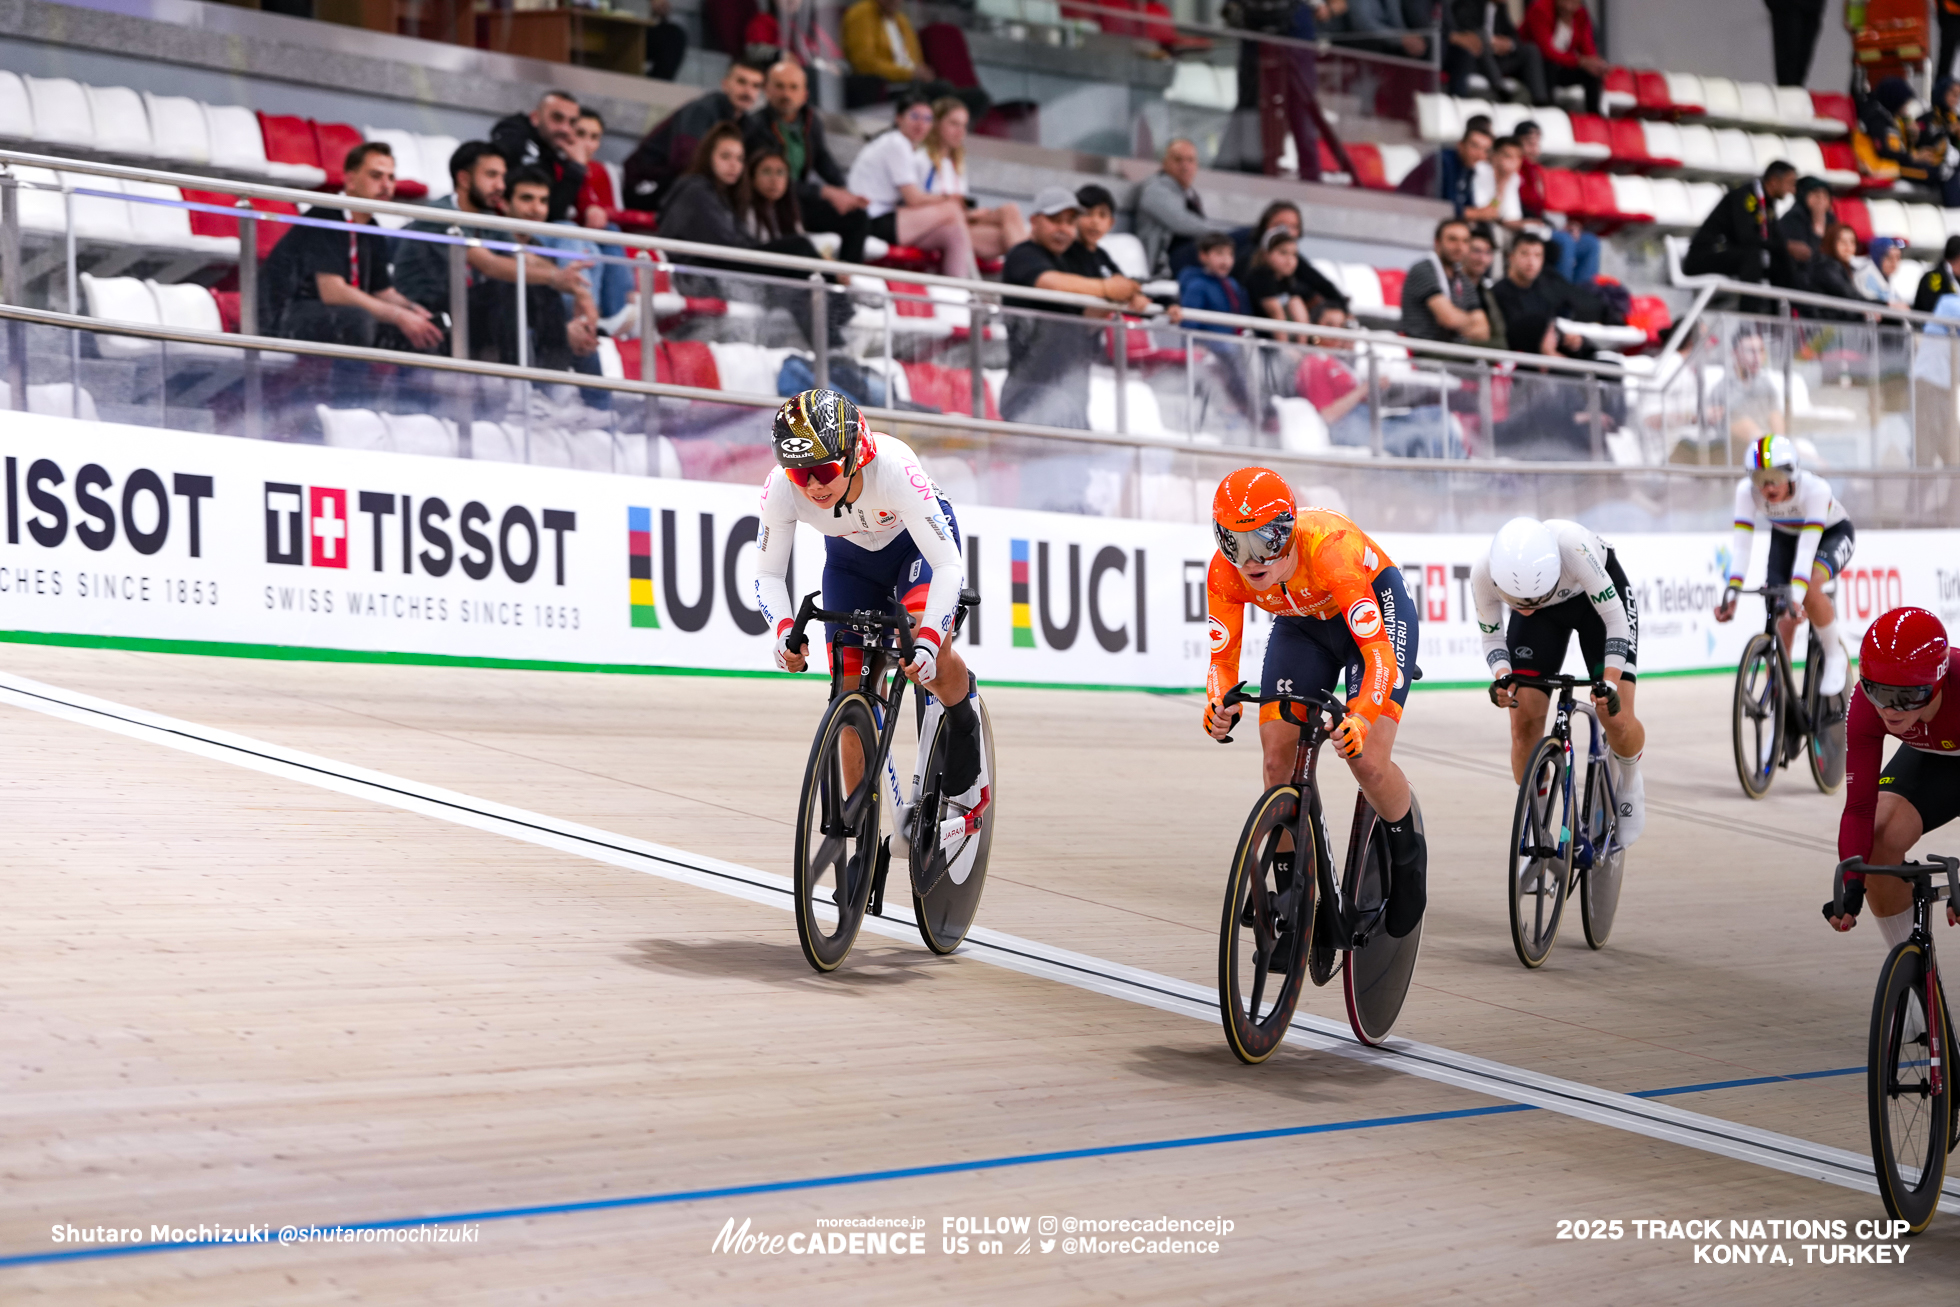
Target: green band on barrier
310 654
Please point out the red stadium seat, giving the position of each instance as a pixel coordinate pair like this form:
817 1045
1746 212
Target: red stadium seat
1621 81
1651 90
1835 104
1591 129
1851 211
1562 193
1649 313
1628 140
1391 280
944 46
1839 156
1597 190
950 390
225 224
290 139
1328 163
335 140
1368 170
908 258
678 363
227 309
922 307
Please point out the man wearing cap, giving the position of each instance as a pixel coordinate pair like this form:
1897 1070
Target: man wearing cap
1048 360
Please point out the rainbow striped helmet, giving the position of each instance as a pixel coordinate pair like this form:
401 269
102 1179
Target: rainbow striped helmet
1772 458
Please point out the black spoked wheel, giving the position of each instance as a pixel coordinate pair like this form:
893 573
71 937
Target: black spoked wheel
1599 887
837 832
1825 748
1759 717
1540 862
1909 1119
950 843
1260 962
1379 971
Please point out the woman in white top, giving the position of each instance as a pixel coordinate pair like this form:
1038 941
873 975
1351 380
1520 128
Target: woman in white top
994 231
890 172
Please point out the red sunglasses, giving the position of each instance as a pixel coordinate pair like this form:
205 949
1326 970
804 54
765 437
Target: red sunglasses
823 473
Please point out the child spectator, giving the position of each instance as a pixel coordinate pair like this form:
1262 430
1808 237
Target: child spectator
1210 285
1269 283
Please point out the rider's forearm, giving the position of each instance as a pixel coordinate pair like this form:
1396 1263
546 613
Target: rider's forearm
1740 545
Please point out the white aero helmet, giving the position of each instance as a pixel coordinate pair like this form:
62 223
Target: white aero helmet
1772 458
1524 562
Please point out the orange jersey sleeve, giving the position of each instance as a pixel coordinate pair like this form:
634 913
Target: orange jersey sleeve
1344 563
1226 596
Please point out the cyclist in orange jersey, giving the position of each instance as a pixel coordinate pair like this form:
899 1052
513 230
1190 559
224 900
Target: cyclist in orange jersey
1339 605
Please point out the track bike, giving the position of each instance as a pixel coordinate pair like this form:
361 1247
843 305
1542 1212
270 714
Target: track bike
1564 830
841 861
1775 718
1285 916
1908 1070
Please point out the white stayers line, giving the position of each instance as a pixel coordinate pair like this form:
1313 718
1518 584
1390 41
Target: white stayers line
1640 1116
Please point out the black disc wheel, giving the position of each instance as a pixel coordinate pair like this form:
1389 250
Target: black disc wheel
1540 863
1759 715
1909 1117
1380 968
950 843
1268 910
837 832
1825 748
1599 886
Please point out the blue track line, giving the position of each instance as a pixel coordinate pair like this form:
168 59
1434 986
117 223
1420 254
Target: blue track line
875 1177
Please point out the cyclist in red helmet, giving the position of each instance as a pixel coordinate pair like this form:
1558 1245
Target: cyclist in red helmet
1905 670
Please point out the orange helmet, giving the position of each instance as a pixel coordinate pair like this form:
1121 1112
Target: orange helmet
1252 515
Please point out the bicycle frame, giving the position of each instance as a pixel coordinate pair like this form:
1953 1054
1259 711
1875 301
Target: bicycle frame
1924 895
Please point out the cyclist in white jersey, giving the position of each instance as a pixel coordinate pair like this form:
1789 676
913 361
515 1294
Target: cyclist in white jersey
1811 541
890 536
1558 579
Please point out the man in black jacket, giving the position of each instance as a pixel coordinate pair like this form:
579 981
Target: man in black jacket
787 123
1943 278
538 140
668 149
1734 241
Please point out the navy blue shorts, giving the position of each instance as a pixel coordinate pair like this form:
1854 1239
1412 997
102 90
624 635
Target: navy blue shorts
1309 653
856 578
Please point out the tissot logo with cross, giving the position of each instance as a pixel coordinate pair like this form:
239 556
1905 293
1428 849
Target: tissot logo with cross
326 524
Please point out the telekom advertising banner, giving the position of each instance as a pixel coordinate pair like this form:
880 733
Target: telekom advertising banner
132 534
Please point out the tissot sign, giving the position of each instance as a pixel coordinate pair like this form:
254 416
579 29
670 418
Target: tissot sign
124 533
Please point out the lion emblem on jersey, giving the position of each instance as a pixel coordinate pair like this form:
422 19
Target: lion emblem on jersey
1364 619
1219 637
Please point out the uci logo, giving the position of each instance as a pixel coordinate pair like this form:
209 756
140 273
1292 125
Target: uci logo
796 446
1364 619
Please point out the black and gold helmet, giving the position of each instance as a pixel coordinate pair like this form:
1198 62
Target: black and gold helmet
818 427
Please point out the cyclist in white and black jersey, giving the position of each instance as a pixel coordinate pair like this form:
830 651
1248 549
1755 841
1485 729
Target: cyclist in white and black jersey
890 536
1811 540
1559 579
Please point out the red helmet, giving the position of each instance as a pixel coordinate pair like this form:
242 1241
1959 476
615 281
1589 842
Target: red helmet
1905 649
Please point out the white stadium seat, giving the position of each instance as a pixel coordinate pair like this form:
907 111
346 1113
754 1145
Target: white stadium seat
1795 109
1759 104
1889 219
1736 151
1663 141
435 151
169 226
1905 281
179 127
16 109
1398 161
1436 118
1805 155
238 143
122 124
1698 149
1632 194
1769 149
42 208
421 433
1504 118
353 428
1204 86
122 299
405 147
1926 227
1125 249
1702 199
61 114
1671 205
1685 90
191 307
97 217
1364 288
1721 99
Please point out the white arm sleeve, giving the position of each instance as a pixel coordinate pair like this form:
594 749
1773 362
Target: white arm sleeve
932 532
1815 500
1490 618
773 541
1745 534
1587 563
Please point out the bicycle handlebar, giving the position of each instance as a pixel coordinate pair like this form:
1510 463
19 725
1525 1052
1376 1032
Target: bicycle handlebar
1601 688
866 620
1906 871
1320 703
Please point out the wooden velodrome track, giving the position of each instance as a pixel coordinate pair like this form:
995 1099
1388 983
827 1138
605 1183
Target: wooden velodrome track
238 991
